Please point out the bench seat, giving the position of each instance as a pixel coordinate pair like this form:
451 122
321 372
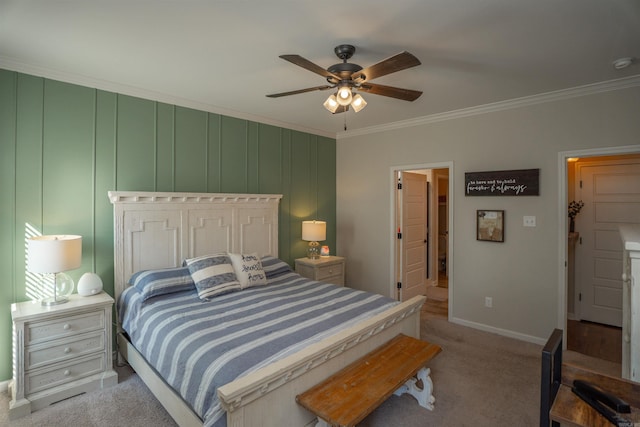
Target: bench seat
348 396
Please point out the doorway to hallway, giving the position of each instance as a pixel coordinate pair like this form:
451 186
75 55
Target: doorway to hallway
606 182
422 216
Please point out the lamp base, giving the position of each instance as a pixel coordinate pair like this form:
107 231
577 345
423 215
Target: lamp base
313 251
62 287
54 301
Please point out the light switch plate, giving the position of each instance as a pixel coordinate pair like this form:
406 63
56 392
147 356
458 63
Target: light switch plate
529 221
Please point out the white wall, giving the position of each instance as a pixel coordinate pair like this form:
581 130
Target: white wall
521 274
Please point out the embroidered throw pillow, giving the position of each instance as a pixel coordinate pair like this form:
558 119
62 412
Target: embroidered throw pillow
248 269
213 275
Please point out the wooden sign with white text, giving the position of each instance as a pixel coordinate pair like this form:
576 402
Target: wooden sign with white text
523 182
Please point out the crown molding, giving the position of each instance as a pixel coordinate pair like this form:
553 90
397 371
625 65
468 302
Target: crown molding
590 89
109 86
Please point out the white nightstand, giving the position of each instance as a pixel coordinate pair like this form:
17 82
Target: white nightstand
60 351
328 269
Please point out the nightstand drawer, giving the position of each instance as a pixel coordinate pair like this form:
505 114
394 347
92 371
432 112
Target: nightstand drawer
45 354
37 332
75 369
329 271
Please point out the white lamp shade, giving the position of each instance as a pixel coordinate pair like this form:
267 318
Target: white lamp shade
54 254
314 231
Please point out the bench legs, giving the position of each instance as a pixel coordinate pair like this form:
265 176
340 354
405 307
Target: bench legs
423 395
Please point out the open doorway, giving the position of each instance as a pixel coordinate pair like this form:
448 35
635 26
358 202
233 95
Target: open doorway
422 213
602 184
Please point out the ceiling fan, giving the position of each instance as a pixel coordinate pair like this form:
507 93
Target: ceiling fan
349 77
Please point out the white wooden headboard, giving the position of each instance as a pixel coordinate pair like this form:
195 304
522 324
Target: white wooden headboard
159 230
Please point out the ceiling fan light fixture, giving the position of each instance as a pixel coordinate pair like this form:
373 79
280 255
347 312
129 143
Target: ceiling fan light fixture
344 95
358 103
331 103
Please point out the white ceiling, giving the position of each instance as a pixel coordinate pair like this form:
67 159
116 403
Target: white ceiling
222 56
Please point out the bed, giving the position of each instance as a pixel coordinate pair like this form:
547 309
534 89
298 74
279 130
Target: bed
159 230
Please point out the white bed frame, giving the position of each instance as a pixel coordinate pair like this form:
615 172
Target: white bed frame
156 230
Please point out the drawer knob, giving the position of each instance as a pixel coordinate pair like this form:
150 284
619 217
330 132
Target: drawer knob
67 373
67 350
330 271
66 327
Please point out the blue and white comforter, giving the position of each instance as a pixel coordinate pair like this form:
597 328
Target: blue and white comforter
199 346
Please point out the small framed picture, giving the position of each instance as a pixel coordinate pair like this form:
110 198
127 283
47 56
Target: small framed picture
490 226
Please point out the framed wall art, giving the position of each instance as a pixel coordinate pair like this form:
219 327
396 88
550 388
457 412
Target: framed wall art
490 225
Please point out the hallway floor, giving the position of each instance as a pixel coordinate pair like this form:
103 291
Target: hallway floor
594 339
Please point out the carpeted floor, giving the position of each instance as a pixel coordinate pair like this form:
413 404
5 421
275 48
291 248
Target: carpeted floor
480 379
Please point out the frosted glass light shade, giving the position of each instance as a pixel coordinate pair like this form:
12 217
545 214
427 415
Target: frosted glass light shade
344 96
331 103
358 103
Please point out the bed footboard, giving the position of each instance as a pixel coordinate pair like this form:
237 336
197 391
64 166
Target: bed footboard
272 389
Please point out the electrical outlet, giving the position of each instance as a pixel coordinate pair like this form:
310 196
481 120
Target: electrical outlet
488 302
529 221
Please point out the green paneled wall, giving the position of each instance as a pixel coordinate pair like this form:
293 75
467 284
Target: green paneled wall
63 146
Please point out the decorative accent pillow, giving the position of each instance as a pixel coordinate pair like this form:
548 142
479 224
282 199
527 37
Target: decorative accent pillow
213 275
151 283
274 267
248 269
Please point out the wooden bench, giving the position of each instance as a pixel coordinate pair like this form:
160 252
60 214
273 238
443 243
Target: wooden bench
348 396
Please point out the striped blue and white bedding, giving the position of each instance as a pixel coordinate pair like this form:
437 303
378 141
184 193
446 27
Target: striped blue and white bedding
198 346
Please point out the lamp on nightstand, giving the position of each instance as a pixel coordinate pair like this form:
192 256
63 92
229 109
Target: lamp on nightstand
313 232
54 255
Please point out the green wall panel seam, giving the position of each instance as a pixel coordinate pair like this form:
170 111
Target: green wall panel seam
94 183
115 142
14 255
155 146
206 152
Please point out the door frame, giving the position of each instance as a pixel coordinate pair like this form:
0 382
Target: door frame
563 221
393 170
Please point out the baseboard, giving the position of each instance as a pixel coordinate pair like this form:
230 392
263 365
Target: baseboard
499 331
4 386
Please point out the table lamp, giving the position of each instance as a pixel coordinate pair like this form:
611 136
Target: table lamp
54 255
312 232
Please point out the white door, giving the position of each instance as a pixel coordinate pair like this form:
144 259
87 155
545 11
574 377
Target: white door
414 235
611 196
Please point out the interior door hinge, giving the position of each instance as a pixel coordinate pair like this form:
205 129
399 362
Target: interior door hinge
580 296
399 284
399 236
399 186
580 183
580 239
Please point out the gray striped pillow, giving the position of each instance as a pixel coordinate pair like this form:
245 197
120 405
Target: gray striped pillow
151 283
213 275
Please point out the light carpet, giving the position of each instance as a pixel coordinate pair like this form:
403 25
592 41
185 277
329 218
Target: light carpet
480 379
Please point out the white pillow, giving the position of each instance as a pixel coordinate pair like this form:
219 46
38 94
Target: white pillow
248 269
213 275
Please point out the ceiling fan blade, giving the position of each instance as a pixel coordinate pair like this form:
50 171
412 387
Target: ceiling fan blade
393 92
308 65
295 92
398 62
